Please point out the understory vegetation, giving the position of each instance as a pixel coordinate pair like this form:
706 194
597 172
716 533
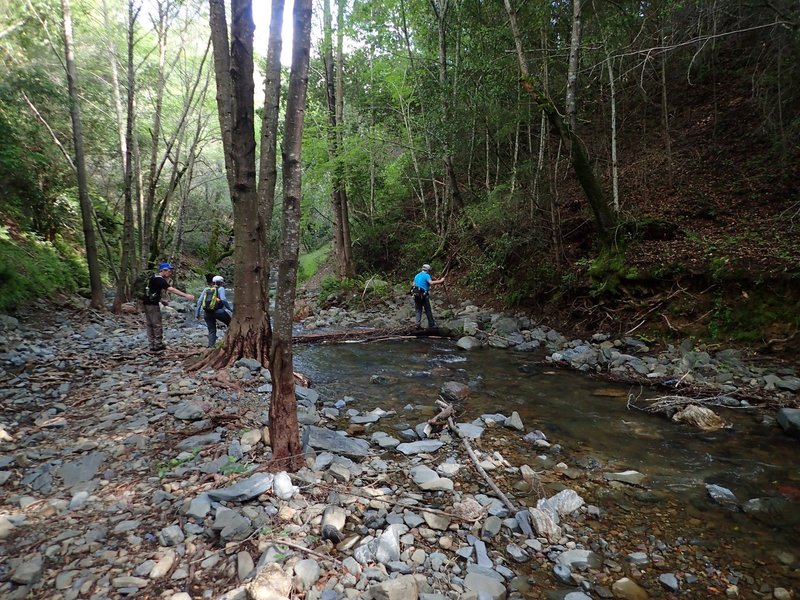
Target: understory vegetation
434 144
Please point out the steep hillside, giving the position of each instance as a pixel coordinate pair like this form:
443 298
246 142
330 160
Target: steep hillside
708 249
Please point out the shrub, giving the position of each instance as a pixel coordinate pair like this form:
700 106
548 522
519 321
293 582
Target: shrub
32 268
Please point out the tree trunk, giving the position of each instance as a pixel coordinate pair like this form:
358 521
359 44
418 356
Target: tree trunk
452 194
268 170
614 166
249 333
155 134
115 91
572 69
128 263
283 425
90 242
334 72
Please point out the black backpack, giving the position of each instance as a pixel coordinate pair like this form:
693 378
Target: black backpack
141 288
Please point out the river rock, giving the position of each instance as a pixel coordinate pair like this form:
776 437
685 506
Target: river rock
307 573
789 420
422 446
399 588
577 558
722 496
468 342
270 583
244 490
484 586
630 477
627 589
332 441
700 416
30 571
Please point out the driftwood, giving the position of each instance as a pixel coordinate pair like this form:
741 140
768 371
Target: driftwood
474 459
444 414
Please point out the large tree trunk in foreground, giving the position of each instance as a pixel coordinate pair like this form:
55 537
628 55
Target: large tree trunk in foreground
283 426
249 334
80 162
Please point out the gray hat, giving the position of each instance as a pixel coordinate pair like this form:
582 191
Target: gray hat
426 267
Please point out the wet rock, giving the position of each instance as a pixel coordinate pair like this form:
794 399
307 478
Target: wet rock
699 416
468 342
579 559
789 420
722 496
630 477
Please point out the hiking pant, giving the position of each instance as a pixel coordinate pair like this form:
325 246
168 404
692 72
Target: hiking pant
211 317
155 329
419 304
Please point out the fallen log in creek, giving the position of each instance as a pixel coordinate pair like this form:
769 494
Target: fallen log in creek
357 336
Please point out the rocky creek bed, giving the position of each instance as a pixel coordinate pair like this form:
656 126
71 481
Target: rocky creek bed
124 475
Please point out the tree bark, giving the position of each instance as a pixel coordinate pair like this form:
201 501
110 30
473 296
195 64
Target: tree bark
250 332
452 193
283 425
347 243
572 69
90 241
128 262
268 170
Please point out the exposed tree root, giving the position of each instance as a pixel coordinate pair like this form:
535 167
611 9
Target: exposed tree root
251 343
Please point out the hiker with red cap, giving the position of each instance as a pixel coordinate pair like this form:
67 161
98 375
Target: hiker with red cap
152 304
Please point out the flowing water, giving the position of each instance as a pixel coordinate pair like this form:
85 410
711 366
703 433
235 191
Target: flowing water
597 430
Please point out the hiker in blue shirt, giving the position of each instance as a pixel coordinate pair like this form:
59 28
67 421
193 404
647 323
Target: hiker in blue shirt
421 293
215 307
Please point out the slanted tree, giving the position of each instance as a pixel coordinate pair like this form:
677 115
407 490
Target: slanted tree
604 219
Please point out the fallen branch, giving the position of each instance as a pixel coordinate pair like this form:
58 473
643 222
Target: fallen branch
667 403
480 469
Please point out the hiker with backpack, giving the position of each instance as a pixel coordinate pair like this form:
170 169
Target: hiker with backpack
152 300
215 307
420 290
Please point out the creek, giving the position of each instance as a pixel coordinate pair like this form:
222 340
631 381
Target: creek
597 433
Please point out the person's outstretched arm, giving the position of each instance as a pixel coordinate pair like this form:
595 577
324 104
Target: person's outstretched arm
437 281
180 293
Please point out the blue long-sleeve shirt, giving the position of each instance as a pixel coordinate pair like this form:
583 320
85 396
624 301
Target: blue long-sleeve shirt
220 295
